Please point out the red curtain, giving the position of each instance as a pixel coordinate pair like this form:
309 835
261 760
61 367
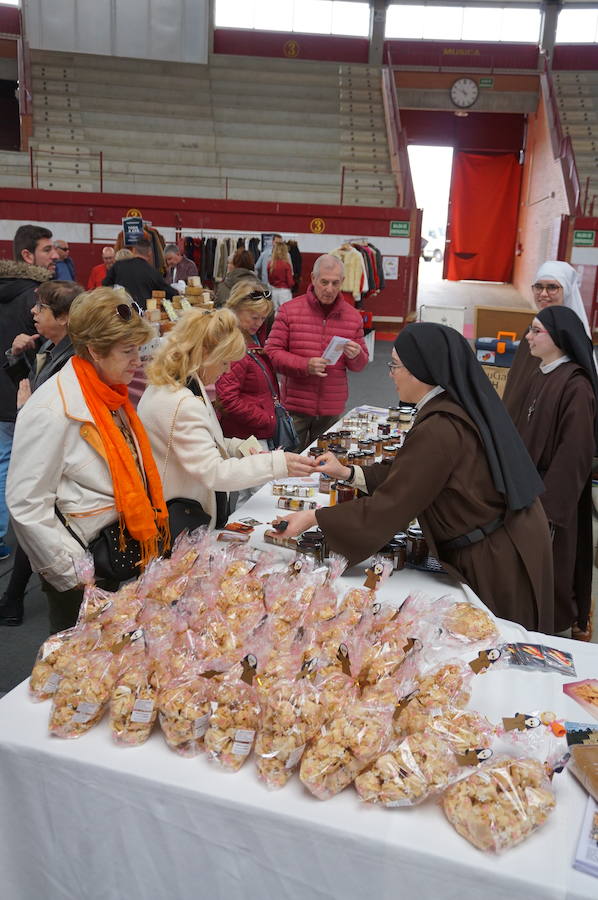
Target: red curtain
484 203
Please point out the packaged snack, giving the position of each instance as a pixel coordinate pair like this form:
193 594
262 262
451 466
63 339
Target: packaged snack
500 805
446 685
584 765
461 729
83 693
585 693
231 731
54 654
470 624
344 747
133 707
409 771
184 710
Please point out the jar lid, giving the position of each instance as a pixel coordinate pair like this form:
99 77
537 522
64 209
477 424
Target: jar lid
415 531
400 536
316 451
368 453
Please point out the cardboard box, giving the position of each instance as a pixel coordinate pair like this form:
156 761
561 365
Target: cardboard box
489 320
498 377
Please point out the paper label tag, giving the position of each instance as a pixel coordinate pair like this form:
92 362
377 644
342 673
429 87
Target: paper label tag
51 684
142 711
200 726
85 712
294 757
245 735
241 749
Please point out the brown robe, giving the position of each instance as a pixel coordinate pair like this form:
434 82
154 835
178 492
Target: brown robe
555 418
523 369
441 476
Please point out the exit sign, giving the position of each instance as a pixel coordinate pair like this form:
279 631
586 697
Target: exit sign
584 238
400 229
486 82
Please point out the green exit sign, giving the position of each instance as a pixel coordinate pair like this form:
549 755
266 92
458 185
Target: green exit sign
584 238
400 229
486 82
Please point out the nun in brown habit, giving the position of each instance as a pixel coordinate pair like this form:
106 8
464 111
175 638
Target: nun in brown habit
463 472
557 421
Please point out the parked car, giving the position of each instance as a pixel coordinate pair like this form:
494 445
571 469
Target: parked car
433 245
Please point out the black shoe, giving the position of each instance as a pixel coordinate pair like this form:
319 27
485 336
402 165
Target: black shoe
11 614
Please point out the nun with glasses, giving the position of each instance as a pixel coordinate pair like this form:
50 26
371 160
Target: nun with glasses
555 285
463 471
557 422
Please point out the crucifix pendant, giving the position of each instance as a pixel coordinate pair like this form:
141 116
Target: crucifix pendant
531 409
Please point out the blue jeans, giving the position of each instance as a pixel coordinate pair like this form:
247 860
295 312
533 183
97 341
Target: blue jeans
7 430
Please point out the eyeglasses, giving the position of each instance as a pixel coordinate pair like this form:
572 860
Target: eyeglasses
535 330
65 249
392 366
259 295
537 288
40 305
126 312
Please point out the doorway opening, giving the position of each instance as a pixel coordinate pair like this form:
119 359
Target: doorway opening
431 169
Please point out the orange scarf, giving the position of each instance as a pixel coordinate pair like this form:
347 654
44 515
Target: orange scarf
146 522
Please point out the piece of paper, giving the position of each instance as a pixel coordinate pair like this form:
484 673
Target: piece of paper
249 446
334 350
586 855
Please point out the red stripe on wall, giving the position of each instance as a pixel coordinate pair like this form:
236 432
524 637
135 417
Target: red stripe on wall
290 45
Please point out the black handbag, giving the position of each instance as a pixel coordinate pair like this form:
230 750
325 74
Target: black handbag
285 434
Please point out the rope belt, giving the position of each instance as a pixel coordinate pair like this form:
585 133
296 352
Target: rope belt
473 537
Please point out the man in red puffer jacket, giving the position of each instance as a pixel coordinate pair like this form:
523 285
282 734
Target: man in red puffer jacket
315 392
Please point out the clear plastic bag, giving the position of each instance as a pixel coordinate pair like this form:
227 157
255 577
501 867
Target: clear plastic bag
83 693
234 721
500 805
133 708
184 710
54 654
441 686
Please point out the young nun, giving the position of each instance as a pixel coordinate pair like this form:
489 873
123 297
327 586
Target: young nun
557 421
463 471
555 285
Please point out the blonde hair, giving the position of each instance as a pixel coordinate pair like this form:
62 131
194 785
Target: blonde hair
280 251
239 299
198 340
122 254
94 322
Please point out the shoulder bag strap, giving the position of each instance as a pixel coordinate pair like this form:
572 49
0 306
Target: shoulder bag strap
268 379
170 438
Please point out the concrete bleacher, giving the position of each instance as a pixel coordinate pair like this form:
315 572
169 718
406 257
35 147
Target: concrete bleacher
240 127
578 105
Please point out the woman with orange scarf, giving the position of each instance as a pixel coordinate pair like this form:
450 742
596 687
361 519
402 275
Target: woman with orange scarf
81 457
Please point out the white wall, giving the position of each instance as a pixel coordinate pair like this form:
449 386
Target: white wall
145 29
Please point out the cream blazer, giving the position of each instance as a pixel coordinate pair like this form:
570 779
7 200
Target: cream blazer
194 459
58 458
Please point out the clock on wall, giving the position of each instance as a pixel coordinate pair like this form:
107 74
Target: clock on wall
464 92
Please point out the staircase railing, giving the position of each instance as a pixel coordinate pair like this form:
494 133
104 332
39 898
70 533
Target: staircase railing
562 147
397 139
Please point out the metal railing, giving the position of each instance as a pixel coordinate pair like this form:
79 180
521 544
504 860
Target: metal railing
562 147
37 157
397 139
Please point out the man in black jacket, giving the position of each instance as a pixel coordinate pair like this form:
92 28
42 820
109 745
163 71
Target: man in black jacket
137 275
34 263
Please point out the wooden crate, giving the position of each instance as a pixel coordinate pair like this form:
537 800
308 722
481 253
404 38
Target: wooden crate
498 376
489 320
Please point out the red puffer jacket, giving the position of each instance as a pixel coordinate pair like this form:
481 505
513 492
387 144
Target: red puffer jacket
245 397
302 329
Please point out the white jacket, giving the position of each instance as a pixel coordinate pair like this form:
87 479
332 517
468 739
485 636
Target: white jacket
58 457
200 460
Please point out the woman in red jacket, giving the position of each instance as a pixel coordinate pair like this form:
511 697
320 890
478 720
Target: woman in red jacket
246 393
280 274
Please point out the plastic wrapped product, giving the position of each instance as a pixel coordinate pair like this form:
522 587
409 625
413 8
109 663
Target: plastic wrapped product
133 708
83 693
184 710
501 805
344 747
584 765
446 685
470 624
409 771
235 711
462 730
54 654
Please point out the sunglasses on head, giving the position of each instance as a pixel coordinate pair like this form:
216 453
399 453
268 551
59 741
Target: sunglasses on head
259 295
126 312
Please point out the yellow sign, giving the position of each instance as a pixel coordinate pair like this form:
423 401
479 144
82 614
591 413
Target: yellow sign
131 213
291 49
317 226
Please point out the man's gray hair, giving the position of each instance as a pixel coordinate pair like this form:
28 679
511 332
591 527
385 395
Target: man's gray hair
327 260
171 248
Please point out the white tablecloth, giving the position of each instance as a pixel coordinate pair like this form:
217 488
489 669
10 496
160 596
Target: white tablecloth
88 820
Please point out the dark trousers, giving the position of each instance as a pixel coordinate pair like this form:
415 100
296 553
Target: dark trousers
309 428
63 606
19 579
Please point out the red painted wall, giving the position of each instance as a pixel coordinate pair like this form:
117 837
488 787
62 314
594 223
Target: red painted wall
575 56
290 45
477 131
457 54
10 20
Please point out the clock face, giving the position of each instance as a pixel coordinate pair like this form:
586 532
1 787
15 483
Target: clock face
464 92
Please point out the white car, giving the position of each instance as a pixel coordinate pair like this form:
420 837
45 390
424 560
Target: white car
433 245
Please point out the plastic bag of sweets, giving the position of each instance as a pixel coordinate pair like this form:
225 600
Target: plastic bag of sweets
500 805
344 746
53 655
408 772
234 721
83 693
133 708
462 730
184 710
434 689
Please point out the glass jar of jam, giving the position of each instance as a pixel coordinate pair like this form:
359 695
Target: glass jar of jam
383 429
389 451
314 452
332 492
399 546
363 443
311 548
344 438
367 458
342 455
325 483
417 548
344 492
393 413
323 442
387 552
